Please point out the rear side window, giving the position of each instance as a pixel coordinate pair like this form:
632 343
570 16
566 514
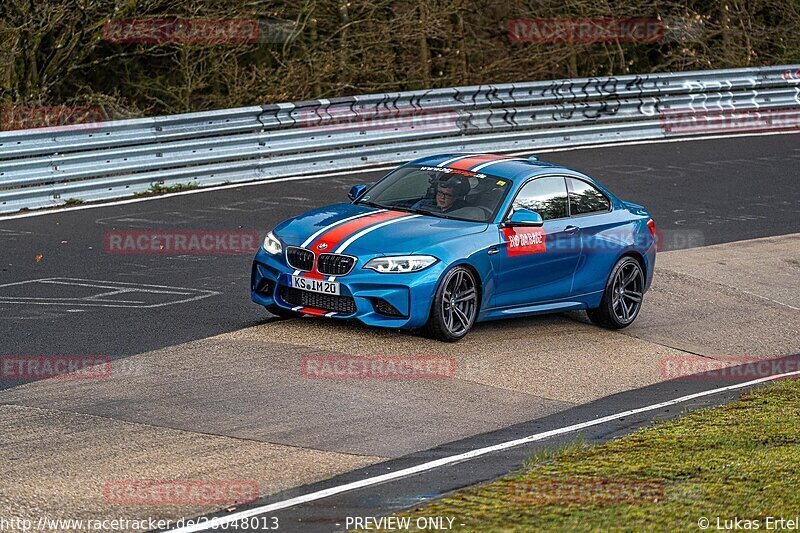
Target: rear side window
586 198
546 196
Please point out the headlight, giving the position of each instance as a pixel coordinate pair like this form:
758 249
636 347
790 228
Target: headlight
400 263
272 245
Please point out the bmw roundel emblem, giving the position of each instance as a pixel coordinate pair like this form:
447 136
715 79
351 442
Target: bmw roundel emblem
322 246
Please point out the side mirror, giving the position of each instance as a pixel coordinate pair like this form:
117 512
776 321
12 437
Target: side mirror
356 191
524 217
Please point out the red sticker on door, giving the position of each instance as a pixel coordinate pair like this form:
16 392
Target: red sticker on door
522 241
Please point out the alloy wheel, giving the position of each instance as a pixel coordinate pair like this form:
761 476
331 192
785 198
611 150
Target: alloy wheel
627 292
459 302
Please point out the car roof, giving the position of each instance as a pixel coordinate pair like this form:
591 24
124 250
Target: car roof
502 166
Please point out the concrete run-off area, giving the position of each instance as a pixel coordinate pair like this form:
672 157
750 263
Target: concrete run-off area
242 405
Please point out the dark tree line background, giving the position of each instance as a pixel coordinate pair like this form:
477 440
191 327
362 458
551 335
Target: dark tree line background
54 53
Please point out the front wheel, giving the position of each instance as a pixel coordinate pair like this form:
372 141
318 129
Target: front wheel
455 306
622 298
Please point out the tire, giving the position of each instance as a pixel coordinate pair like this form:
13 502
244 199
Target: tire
455 306
280 312
622 297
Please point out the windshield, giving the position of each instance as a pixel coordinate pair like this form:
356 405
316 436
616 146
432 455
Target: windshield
440 191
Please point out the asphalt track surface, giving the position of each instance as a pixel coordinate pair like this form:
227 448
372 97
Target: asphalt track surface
700 193
329 514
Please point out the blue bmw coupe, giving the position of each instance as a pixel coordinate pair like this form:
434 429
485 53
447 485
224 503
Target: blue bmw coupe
445 241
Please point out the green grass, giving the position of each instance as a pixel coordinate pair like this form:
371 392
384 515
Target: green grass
740 460
161 189
73 201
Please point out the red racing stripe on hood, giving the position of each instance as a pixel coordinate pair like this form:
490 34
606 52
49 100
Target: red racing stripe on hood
328 241
468 163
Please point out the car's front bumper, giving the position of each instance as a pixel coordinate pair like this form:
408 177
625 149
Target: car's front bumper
362 293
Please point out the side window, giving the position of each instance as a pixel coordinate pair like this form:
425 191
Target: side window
585 198
546 196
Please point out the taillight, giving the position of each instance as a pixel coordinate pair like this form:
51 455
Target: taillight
652 227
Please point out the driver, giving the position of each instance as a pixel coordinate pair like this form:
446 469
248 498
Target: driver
449 196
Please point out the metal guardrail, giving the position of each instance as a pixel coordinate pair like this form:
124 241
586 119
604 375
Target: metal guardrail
50 166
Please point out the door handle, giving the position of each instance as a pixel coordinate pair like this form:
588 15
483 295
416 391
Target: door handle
571 230
493 250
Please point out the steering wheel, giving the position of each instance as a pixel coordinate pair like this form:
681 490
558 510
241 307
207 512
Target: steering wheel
486 210
468 208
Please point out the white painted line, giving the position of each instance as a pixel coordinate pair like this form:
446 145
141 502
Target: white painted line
82 282
767 299
116 287
445 461
70 301
66 281
649 141
61 209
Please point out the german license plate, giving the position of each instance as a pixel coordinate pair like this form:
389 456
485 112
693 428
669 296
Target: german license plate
316 285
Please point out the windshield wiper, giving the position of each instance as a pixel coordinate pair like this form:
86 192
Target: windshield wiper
394 208
439 214
372 204
417 210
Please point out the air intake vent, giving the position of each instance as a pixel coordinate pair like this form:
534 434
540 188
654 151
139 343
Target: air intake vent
300 258
335 264
327 302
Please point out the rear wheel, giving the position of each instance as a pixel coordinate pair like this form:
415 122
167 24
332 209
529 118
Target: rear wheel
455 306
622 298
